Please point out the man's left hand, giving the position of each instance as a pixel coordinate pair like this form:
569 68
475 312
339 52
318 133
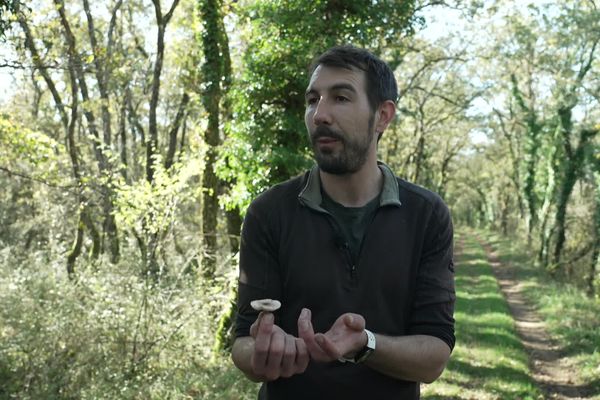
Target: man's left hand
344 339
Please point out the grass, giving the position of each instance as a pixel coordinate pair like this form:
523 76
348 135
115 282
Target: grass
571 317
489 361
223 381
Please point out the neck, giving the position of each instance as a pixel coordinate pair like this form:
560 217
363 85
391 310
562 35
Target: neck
356 189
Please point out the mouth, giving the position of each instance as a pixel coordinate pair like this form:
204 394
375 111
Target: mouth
324 140
325 136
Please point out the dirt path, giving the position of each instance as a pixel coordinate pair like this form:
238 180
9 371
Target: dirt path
553 373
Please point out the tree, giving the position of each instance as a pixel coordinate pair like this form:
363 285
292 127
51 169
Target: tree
571 75
78 87
6 8
30 175
595 253
106 91
568 57
432 126
267 141
539 82
216 73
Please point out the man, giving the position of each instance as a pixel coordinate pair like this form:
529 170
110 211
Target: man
360 260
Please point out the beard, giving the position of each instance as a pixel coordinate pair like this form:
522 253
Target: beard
347 160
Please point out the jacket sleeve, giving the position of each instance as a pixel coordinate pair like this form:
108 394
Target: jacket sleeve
433 307
258 270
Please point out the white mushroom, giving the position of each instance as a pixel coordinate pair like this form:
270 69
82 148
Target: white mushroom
266 305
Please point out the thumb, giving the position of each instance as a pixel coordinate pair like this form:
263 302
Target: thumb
355 322
254 326
265 319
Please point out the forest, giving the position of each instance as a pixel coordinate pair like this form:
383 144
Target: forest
134 134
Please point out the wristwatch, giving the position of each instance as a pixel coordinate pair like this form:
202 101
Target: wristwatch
365 352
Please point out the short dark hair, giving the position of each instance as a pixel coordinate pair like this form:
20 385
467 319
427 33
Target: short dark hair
381 83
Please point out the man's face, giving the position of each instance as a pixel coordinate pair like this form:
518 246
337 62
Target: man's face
339 119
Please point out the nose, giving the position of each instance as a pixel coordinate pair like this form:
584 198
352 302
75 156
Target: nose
322 114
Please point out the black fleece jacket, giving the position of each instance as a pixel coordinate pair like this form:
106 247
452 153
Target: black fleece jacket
402 282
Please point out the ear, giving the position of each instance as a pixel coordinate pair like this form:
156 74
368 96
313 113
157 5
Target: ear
385 114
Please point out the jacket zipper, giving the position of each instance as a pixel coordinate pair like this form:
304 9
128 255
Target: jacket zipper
350 262
344 248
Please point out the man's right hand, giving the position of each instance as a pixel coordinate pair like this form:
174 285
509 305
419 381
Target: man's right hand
276 354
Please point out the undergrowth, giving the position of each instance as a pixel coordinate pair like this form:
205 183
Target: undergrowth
110 334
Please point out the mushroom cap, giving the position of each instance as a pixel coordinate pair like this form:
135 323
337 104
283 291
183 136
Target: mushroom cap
266 305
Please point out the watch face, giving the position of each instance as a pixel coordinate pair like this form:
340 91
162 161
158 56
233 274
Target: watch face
371 342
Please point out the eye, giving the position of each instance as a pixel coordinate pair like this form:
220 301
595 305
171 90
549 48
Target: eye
311 100
341 99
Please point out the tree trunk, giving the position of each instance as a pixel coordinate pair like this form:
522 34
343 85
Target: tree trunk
224 336
532 144
77 244
152 149
419 153
210 209
107 195
89 223
109 225
513 145
170 158
215 71
152 141
123 140
234 228
546 229
76 249
572 166
505 205
69 123
561 212
595 260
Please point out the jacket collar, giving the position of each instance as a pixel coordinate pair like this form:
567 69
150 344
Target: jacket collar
310 195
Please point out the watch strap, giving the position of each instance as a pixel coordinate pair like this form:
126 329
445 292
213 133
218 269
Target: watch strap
365 352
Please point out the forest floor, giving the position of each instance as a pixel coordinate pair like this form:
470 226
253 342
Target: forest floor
552 371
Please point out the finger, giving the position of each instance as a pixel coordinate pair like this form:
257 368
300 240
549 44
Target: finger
305 329
262 343
302 357
306 332
265 324
328 347
255 325
289 357
277 346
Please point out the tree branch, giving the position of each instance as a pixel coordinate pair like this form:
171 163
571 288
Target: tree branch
38 180
174 129
37 60
170 13
110 39
101 75
75 67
